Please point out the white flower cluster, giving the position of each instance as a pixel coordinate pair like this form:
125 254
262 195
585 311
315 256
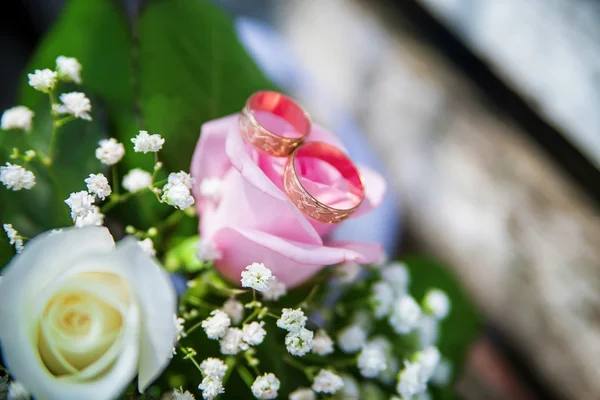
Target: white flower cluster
13 237
146 143
414 377
43 80
19 117
266 386
75 104
213 371
68 69
257 277
110 151
137 179
327 381
16 178
177 190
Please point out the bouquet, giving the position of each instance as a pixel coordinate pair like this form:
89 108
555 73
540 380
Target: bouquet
224 283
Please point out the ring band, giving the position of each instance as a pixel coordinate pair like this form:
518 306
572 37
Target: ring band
288 114
306 202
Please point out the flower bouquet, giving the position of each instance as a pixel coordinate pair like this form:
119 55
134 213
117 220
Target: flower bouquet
225 282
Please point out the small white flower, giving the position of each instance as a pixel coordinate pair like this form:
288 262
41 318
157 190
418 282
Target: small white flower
110 151
68 69
234 309
398 276
422 396
428 330
292 320
322 343
352 338
17 391
43 80
409 381
265 386
94 218
148 246
300 342
254 333
232 342
179 394
81 204
257 277
405 315
348 271
211 387
303 394
382 298
216 325
145 143
213 367
442 373
19 117
75 104
178 196
180 178
327 381
372 359
208 251
13 237
30 154
350 389
276 290
178 322
211 188
437 303
16 177
429 359
137 179
98 184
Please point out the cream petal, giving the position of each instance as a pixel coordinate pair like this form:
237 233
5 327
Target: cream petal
158 304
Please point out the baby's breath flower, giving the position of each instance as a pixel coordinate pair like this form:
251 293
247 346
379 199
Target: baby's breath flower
234 309
352 338
211 188
265 386
327 381
68 69
292 320
178 196
43 80
98 184
208 251
232 342
137 179
409 381
254 333
303 394
382 298
94 218
257 277
437 303
13 237
442 373
178 322
145 143
75 104
216 325
350 389
398 276
428 359
16 177
110 151
16 391
276 290
299 343
322 343
179 394
428 330
30 154
147 246
405 315
19 117
211 387
180 178
213 367
81 204
347 271
372 359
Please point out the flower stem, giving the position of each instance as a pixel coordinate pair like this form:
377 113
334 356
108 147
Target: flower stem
307 371
245 375
115 180
190 356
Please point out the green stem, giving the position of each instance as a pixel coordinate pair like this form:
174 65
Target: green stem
251 316
171 220
299 366
230 362
115 180
309 298
245 375
190 357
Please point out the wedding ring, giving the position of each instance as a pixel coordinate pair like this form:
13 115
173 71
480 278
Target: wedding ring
274 123
313 206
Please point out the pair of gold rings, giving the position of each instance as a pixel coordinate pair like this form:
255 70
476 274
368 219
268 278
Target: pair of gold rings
278 126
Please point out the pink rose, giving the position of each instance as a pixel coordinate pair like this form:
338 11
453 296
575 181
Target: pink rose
252 220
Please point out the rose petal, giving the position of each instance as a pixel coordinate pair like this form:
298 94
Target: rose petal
375 188
158 305
291 262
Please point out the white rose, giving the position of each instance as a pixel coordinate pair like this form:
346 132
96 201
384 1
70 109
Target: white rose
79 318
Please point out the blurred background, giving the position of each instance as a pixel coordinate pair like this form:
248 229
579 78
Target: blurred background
484 115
